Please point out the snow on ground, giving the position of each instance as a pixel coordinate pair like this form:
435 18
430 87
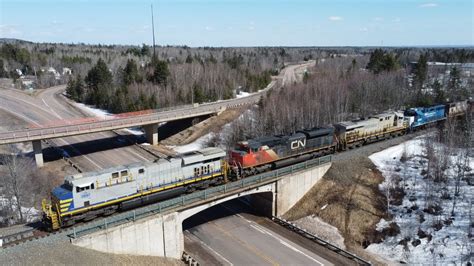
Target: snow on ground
193 146
103 114
451 244
243 94
202 142
322 229
29 214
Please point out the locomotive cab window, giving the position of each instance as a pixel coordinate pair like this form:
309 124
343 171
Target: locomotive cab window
80 189
115 175
124 173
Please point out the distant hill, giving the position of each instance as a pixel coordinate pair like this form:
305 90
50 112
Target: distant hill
13 41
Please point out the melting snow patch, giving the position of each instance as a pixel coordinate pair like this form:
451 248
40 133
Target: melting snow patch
428 234
94 111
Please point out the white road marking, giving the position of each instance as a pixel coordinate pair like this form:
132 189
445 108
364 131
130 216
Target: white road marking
85 156
283 242
52 110
264 231
138 155
208 247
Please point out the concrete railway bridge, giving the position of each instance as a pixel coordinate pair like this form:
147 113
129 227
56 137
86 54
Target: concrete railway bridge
156 230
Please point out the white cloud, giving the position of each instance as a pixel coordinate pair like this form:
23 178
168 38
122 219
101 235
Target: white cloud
378 19
396 20
365 29
335 18
9 31
209 28
428 5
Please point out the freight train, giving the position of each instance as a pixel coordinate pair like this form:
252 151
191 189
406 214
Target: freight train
84 196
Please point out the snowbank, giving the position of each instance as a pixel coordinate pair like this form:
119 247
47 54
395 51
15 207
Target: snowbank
243 94
419 241
103 114
322 229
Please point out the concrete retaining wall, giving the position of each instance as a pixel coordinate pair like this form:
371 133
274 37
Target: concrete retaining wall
156 236
292 188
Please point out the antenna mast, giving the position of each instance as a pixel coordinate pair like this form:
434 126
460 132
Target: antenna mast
153 29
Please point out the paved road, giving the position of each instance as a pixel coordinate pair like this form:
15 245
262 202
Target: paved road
91 152
96 150
228 234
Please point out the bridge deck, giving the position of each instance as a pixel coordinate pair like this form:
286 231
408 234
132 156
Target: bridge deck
120 122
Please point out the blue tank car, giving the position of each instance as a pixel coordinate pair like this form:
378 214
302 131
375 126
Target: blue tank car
422 116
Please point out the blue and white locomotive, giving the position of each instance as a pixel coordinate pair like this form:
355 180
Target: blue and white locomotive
421 116
87 195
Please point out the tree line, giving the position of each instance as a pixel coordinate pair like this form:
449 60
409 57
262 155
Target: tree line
345 88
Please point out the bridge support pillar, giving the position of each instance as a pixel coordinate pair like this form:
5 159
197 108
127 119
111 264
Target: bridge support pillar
37 150
151 133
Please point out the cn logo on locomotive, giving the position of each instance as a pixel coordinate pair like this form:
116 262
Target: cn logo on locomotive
298 144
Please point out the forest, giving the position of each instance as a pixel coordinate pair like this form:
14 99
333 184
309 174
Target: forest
122 78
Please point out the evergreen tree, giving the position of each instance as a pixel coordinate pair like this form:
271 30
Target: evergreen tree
380 61
145 50
189 59
130 73
421 70
439 95
99 84
75 89
160 72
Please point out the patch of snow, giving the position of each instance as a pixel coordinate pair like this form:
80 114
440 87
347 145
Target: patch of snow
29 214
243 94
94 111
193 146
24 147
324 207
318 227
450 245
134 131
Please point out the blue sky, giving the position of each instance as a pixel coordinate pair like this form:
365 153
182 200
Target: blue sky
242 22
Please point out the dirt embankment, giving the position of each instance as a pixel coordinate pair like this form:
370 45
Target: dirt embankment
212 124
348 198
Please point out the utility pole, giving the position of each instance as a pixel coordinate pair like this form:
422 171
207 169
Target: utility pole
153 29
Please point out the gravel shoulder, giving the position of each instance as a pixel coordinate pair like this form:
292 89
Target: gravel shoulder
62 253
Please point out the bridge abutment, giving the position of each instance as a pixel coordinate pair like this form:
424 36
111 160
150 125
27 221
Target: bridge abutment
151 133
291 189
38 152
160 235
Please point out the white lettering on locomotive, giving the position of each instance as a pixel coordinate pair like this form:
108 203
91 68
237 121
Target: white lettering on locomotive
298 144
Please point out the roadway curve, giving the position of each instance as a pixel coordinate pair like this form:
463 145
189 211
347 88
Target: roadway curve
95 151
47 107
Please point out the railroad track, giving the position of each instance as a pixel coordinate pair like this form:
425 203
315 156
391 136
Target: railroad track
25 236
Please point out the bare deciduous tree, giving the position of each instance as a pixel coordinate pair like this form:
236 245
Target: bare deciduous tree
16 181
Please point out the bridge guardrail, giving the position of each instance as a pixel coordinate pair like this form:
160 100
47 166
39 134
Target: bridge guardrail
155 117
320 241
182 201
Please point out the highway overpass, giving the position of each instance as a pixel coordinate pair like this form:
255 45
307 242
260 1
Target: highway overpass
149 122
